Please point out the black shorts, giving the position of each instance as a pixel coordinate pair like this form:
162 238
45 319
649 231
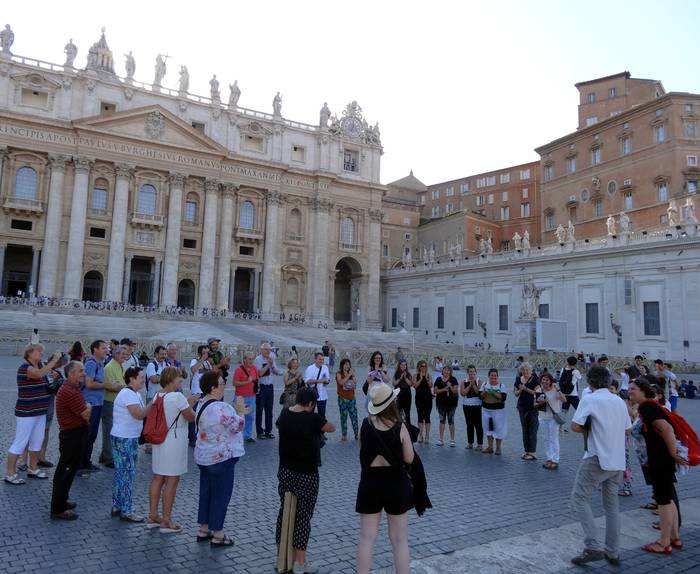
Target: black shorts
661 481
424 409
384 488
571 400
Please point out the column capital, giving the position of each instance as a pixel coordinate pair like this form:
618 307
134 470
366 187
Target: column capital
58 161
124 170
321 205
229 189
158 260
275 197
176 179
3 151
376 215
211 185
36 249
83 163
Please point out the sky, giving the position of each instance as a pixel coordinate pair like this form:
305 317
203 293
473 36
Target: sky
458 87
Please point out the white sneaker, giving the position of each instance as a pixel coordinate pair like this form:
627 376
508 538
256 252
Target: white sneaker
306 568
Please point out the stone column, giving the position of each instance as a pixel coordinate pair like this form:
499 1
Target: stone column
155 298
206 268
271 268
117 239
127 279
232 288
2 264
256 290
52 231
36 254
172 241
371 313
318 280
76 235
224 284
3 155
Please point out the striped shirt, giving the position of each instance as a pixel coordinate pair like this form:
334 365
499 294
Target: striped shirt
32 394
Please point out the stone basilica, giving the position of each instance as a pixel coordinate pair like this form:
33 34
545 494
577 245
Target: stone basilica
117 190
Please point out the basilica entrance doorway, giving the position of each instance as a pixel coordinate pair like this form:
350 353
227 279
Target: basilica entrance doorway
346 292
141 282
185 294
17 270
92 286
244 290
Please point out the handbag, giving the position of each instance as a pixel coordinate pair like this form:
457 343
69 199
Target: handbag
558 418
256 384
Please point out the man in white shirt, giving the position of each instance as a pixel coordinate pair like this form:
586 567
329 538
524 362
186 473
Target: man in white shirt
131 359
603 418
265 399
663 371
153 371
317 376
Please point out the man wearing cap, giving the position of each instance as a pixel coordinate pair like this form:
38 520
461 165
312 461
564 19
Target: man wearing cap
221 362
265 399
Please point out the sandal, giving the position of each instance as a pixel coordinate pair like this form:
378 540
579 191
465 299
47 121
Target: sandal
22 467
173 528
528 457
653 548
65 515
656 525
14 479
498 452
225 541
39 474
677 543
153 522
650 506
624 493
452 443
439 443
487 451
204 535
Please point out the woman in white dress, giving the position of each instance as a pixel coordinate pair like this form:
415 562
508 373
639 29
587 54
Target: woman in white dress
170 457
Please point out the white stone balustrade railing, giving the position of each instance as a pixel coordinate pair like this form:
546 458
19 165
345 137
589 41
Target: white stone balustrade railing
23 203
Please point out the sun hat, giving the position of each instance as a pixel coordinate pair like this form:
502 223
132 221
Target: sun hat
381 396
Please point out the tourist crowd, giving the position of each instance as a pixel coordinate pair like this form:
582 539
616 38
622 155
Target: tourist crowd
167 406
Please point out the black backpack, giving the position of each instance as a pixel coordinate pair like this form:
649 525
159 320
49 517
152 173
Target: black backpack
566 381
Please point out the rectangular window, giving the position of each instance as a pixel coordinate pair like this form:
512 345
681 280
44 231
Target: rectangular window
592 318
491 180
416 317
351 161
663 219
572 213
481 182
612 92
251 143
191 211
464 188
505 245
435 212
525 193
98 232
692 160
435 194
662 192
450 191
549 221
591 121
652 319
525 210
524 174
629 202
549 172
99 198
590 97
244 250
490 198
449 208
505 213
480 200
298 153
504 196
189 243
628 291
626 145
407 236
440 317
200 127
469 314
505 178
34 98
692 186
660 133
690 129
394 317
544 311
503 317
21 224
422 199
595 156
597 208
385 250
571 164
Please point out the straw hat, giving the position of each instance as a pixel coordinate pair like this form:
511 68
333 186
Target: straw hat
381 396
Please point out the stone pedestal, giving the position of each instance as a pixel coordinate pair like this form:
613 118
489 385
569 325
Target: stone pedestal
691 229
525 337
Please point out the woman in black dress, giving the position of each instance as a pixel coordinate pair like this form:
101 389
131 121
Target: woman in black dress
424 400
385 446
403 381
660 468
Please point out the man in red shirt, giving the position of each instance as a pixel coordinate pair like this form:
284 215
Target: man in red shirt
73 414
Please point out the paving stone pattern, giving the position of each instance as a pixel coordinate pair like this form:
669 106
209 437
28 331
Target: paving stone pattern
477 498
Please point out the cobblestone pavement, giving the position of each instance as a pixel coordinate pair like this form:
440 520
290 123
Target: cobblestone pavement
477 499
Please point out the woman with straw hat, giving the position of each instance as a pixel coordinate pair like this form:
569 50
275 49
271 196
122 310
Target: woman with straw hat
385 446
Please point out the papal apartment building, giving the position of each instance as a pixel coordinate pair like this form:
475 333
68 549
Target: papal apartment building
118 190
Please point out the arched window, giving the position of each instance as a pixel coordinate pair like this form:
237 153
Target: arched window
147 199
191 208
294 224
347 231
185 294
99 194
246 217
25 183
292 291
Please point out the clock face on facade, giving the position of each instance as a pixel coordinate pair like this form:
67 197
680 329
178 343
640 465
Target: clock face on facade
352 127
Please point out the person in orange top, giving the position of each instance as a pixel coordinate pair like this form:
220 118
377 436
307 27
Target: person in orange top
245 383
345 382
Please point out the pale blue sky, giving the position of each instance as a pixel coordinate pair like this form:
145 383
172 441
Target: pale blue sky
457 87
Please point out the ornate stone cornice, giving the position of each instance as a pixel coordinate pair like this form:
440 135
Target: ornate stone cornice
124 170
211 186
58 162
176 179
376 215
83 163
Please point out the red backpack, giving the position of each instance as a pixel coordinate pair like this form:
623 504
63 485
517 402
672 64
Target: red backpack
156 427
685 433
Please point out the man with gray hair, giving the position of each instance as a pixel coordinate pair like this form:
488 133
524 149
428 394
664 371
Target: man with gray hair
114 374
265 399
603 418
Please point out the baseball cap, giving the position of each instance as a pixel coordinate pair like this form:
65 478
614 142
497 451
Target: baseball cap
210 340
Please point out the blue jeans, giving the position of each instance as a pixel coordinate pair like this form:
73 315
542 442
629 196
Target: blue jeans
215 490
93 428
249 418
674 402
263 402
